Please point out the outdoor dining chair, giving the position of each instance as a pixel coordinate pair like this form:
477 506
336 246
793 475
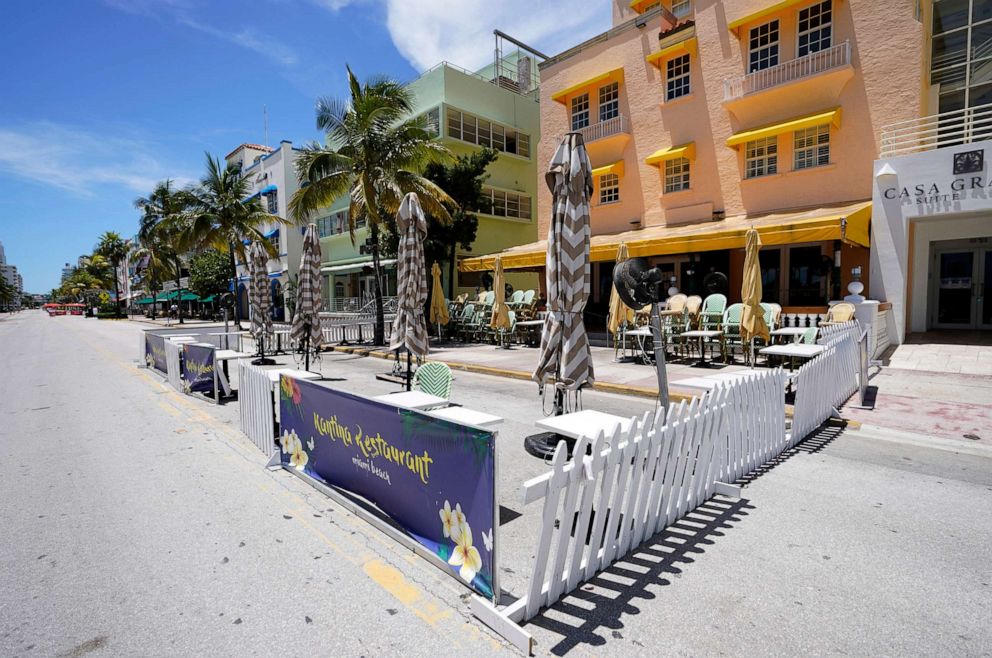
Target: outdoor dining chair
839 313
731 328
434 378
466 321
711 314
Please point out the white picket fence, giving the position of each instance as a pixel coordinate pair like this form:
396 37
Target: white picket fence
598 508
825 382
172 359
255 404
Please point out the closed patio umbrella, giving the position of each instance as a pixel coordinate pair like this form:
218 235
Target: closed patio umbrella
306 331
500 318
409 328
439 308
565 355
259 298
753 316
619 313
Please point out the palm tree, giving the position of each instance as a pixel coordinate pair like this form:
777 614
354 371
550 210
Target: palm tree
114 248
161 229
220 216
374 153
7 294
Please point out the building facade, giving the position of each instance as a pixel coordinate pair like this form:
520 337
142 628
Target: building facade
467 110
932 192
271 173
704 119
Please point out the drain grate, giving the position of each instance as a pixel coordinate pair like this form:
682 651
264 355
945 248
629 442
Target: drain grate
973 437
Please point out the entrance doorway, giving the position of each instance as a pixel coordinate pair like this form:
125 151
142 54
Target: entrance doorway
960 282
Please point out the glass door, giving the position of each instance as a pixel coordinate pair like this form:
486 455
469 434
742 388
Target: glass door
955 281
984 290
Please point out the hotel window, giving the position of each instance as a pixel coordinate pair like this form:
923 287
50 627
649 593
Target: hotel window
812 147
272 203
677 77
474 130
761 157
580 112
432 119
506 204
763 47
609 101
274 240
324 226
609 188
681 8
961 56
814 28
676 175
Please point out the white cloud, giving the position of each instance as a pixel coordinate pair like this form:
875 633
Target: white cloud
461 31
67 158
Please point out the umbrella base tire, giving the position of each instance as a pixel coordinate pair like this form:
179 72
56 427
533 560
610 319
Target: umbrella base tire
543 444
264 361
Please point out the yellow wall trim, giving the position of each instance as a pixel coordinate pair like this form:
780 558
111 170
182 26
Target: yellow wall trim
688 46
616 75
614 168
767 12
661 155
639 5
808 121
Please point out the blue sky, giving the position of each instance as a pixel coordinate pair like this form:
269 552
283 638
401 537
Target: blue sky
102 98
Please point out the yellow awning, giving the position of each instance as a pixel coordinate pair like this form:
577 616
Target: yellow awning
849 223
830 116
639 5
614 168
685 151
687 46
768 11
616 75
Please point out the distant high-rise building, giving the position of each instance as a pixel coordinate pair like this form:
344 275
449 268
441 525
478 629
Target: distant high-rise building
67 271
3 257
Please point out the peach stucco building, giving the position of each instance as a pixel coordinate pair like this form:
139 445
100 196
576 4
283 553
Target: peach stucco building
704 118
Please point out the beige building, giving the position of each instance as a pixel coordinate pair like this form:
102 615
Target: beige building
703 119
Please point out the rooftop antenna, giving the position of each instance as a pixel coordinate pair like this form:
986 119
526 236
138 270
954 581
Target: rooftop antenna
265 123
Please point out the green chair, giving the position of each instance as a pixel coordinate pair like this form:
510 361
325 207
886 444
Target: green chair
809 337
434 378
730 325
711 314
466 321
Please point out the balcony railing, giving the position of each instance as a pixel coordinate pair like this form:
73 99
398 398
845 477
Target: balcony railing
608 128
797 69
972 124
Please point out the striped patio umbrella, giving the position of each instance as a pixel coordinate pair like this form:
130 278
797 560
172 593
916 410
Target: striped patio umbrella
753 317
565 355
409 328
306 333
439 309
259 295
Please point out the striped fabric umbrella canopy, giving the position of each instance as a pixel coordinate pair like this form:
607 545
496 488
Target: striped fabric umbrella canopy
565 355
501 312
306 321
259 295
439 308
409 328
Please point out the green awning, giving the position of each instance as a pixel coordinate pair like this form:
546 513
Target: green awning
209 299
146 300
165 296
189 297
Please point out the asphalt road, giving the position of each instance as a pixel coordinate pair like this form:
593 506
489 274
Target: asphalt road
137 521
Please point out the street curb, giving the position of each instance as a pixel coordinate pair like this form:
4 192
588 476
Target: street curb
603 387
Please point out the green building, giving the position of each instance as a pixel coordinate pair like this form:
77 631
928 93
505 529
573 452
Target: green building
497 107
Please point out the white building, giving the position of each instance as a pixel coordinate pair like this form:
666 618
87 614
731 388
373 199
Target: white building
67 270
272 176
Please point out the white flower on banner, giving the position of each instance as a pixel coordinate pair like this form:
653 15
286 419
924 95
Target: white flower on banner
287 441
466 556
448 524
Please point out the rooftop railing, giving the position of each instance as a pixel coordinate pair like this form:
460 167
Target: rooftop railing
797 69
937 131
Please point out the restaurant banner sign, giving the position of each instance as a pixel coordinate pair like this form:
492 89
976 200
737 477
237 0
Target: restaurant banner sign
435 478
155 352
197 369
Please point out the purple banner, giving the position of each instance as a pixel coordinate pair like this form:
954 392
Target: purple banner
434 478
197 369
155 352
